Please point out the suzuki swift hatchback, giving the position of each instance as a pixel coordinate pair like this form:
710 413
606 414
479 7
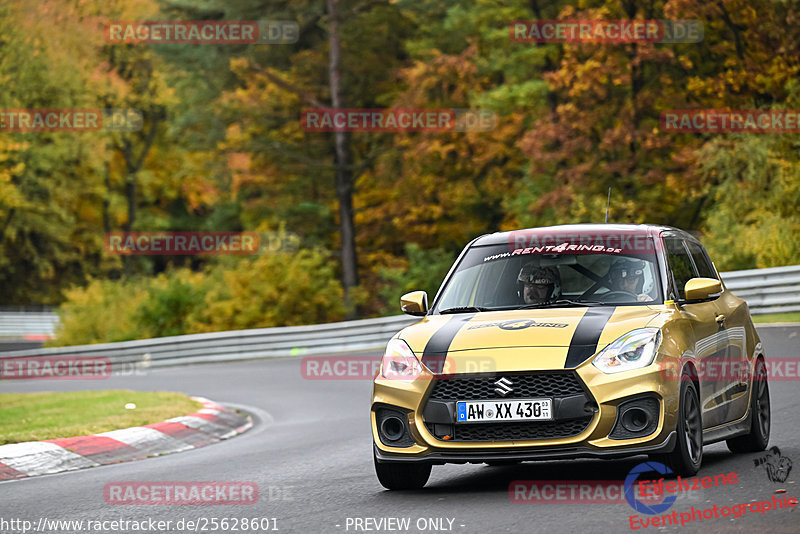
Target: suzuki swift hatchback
598 341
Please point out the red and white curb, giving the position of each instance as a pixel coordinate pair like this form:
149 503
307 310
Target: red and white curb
212 423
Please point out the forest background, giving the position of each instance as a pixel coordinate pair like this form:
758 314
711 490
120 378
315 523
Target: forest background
222 149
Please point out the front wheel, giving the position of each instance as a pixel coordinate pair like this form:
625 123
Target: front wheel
687 456
760 416
402 475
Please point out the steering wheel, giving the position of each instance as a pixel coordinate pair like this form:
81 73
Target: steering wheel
619 293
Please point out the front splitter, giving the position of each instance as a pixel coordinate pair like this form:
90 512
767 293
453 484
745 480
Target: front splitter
525 455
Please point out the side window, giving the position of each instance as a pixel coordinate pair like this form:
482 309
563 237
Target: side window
679 263
701 261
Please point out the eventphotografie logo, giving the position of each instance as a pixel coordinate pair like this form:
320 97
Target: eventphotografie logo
776 465
642 505
70 120
667 490
202 32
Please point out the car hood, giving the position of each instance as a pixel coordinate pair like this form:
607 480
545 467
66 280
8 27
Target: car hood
515 340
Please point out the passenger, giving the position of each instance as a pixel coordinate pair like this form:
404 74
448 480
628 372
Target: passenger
628 275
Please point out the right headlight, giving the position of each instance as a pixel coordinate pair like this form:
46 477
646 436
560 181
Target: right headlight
399 362
633 350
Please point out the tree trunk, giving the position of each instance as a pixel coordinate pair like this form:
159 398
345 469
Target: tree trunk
132 168
344 171
107 197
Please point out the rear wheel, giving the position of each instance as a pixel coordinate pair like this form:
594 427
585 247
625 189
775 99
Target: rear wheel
687 456
760 419
402 475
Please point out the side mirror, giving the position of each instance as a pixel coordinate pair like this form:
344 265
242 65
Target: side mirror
414 303
702 289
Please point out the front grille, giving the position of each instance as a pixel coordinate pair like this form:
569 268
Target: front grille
518 431
555 385
524 386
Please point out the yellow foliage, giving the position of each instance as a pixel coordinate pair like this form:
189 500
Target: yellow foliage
279 289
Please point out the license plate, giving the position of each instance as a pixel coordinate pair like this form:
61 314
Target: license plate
505 410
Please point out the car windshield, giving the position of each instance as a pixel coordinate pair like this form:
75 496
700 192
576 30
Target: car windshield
495 278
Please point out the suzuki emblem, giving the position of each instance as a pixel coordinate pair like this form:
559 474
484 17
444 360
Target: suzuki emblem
503 386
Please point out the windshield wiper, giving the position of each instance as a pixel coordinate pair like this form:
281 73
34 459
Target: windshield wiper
561 302
463 309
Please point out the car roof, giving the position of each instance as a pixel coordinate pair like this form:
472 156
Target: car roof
649 230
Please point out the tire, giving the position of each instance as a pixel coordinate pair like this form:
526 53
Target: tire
402 475
761 416
686 458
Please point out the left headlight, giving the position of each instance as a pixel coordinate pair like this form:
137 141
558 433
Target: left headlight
634 350
399 362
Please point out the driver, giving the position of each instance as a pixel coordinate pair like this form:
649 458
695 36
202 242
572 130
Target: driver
628 275
539 284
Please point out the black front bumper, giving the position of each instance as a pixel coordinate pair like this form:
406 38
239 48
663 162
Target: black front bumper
524 455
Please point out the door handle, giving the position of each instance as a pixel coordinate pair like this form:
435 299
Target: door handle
721 318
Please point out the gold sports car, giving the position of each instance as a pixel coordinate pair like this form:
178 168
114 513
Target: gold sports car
595 340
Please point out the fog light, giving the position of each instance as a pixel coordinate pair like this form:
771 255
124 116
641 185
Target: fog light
392 428
635 419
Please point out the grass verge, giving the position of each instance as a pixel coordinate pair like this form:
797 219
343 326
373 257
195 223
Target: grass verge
792 317
38 416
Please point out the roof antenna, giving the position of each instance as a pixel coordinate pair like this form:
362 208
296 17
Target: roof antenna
608 202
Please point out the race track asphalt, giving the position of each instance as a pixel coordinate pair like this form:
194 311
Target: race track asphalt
310 455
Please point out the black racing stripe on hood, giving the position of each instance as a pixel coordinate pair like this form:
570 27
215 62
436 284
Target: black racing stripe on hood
587 334
435 353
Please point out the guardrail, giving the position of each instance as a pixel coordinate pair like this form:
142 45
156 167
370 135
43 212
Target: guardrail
332 338
766 290
26 323
773 290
